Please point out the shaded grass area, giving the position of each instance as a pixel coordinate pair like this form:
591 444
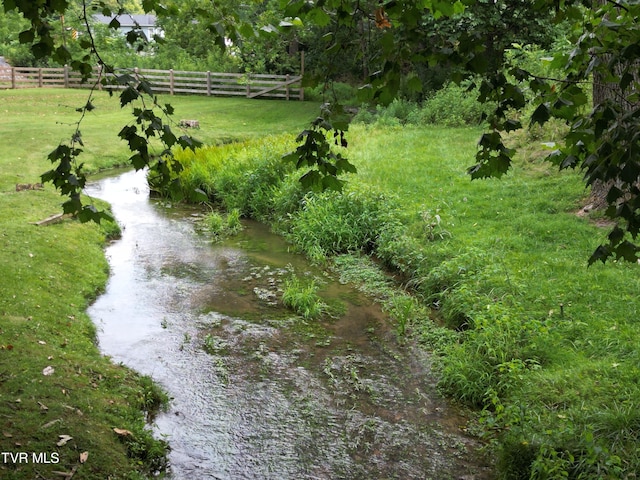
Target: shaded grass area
48 276
542 346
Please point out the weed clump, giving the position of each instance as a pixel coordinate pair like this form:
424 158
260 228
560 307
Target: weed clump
302 298
220 225
332 223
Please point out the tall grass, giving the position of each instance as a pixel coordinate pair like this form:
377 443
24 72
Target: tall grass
302 298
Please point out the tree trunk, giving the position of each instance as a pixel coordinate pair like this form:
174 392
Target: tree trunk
603 92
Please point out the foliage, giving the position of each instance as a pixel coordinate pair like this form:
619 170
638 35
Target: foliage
266 52
315 151
602 36
219 225
302 297
451 106
241 176
334 92
188 44
16 53
331 223
404 309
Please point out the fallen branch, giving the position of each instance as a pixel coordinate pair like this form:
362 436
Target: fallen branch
58 217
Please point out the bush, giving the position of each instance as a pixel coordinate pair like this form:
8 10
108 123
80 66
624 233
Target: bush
332 222
399 111
365 115
452 106
335 92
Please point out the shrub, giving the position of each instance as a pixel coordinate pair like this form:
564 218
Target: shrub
335 92
400 111
333 222
365 115
452 106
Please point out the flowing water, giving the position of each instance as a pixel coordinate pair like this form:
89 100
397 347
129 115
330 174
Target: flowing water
258 393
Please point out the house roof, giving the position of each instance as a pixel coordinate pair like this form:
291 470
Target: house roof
127 20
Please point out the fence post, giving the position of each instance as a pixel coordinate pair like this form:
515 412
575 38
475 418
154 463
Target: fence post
248 85
208 83
40 77
301 74
100 77
13 77
66 76
287 80
171 81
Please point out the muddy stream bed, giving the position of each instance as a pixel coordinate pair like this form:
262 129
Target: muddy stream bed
258 393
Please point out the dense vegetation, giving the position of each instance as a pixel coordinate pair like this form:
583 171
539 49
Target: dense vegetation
402 49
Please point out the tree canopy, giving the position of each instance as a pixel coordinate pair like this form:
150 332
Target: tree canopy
396 46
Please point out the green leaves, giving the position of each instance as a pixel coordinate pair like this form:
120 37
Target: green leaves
315 152
149 137
494 158
26 37
396 40
541 115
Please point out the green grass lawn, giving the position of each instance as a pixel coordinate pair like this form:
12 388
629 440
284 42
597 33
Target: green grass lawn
48 275
35 121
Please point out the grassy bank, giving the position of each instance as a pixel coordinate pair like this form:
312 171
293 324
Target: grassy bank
542 346
48 275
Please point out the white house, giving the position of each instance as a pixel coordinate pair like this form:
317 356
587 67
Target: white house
145 23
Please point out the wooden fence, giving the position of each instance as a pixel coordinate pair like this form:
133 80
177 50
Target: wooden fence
163 81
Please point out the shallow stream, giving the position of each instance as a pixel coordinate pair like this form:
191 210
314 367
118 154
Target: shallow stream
258 393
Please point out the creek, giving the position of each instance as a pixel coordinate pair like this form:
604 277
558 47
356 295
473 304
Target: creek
257 392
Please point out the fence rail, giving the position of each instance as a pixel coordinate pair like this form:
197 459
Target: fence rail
162 81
